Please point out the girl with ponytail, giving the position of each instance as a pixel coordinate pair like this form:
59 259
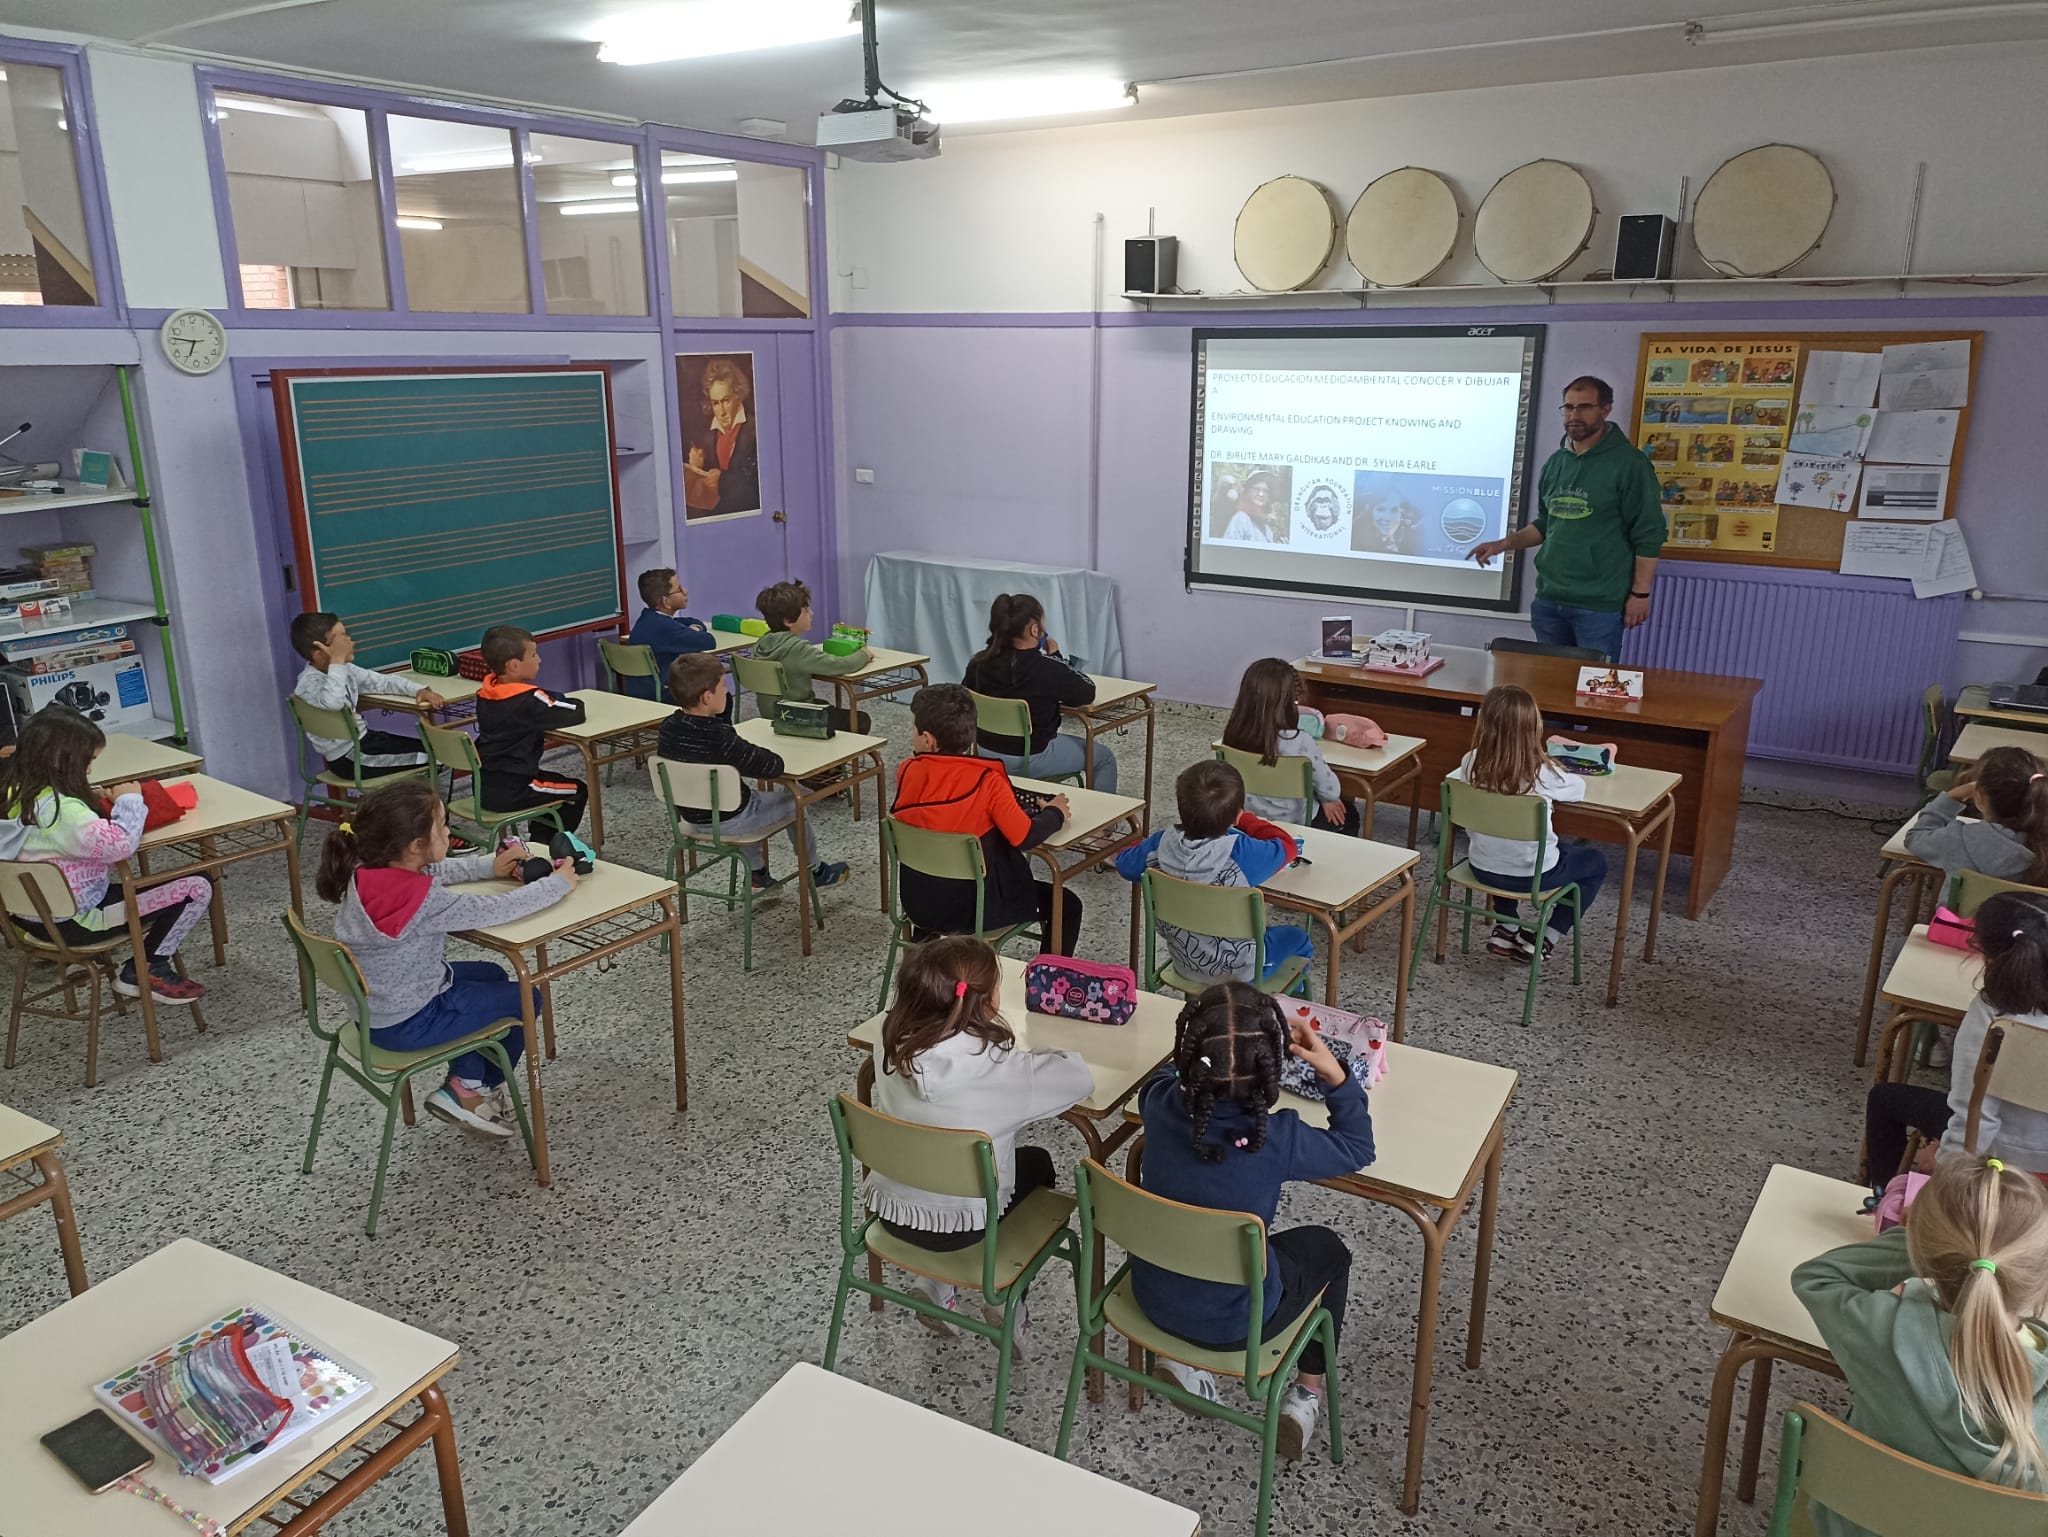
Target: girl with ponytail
2007 790
1935 1325
1021 661
1214 1138
947 1059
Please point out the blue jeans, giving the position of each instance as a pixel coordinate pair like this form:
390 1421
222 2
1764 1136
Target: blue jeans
480 994
1064 755
1559 624
1582 864
1284 941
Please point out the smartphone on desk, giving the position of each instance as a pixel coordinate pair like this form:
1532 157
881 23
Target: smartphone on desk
98 1451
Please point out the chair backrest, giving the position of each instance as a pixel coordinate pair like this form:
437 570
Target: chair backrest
947 856
1227 1247
36 890
1225 912
333 965
1493 815
696 786
922 1157
312 721
1003 717
1522 647
1290 779
1970 887
453 753
1886 1492
759 676
2012 1068
627 661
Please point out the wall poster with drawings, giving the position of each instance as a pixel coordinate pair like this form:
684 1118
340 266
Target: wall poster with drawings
1714 418
721 436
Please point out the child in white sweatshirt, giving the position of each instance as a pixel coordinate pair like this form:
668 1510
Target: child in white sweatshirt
947 1059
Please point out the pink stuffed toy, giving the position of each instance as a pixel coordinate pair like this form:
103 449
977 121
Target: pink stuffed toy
1353 731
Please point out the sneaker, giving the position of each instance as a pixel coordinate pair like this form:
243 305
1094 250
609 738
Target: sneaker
944 1293
761 880
465 1107
1299 1411
828 874
1942 1052
164 982
1191 1378
458 845
1506 941
1021 1337
500 1104
1525 948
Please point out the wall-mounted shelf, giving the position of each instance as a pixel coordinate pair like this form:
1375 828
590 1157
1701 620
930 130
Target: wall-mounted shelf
85 614
630 453
1672 288
74 494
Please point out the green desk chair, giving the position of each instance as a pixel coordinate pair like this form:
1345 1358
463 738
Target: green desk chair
949 856
1520 817
453 753
714 787
621 661
1225 1247
387 1075
1822 1461
1291 779
962 1163
324 787
1012 717
1227 912
1933 725
766 681
1969 888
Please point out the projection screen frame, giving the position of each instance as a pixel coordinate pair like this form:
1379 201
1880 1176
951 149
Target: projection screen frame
1523 475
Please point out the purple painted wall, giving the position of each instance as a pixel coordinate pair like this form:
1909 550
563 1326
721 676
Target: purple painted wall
976 429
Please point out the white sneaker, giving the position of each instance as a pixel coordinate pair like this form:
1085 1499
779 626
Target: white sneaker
1942 1052
1021 1337
501 1108
944 1293
1190 1378
1298 1413
467 1108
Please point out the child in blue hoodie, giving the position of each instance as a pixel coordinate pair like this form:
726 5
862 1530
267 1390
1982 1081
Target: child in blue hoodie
1218 843
1212 1138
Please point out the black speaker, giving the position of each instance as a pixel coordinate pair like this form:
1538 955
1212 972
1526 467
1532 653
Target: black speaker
1643 247
1149 264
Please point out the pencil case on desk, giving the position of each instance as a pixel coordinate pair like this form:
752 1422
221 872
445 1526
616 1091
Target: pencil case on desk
728 623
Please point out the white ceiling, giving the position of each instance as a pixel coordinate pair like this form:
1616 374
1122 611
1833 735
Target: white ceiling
543 52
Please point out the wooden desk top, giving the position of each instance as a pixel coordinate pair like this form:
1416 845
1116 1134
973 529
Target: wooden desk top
605 892
804 756
222 808
133 757
881 660
1977 739
1933 976
1694 700
127 1317
607 714
456 690
1974 703
1371 761
724 642
1627 792
1798 1217
1111 692
1092 810
23 1136
1340 870
845 1432
1121 1056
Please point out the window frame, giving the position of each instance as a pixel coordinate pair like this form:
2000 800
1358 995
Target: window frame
69 61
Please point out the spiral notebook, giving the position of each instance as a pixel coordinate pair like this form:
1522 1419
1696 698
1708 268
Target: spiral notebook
287 1363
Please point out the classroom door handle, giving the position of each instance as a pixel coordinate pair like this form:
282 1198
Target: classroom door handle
780 517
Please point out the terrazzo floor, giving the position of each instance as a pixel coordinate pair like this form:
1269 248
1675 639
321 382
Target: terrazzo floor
612 1327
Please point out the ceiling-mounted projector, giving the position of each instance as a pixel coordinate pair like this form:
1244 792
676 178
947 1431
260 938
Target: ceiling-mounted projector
878 130
901 128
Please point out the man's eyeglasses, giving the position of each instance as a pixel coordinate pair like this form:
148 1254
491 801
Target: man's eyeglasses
1570 409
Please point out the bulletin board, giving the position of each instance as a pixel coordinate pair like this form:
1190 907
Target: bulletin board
1721 476
430 504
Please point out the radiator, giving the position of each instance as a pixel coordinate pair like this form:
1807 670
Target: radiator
1844 660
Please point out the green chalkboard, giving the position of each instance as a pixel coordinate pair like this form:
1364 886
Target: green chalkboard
429 505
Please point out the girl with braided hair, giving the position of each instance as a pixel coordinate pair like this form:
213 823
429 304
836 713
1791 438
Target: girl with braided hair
1214 1138
1936 1327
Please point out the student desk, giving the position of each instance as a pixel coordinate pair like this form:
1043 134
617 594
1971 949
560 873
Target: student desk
845 1432
1798 1217
227 826
158 1299
1974 703
1635 802
1092 831
848 754
1119 702
1439 1128
726 642
1901 869
1977 739
615 727
460 693
133 757
23 1139
604 915
1927 982
1121 1057
1340 873
1695 725
887 672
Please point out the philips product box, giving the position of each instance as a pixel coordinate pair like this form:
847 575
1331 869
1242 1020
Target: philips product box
111 693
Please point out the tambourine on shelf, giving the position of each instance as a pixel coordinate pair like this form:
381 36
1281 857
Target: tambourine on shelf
1285 234
1403 228
1763 212
1535 220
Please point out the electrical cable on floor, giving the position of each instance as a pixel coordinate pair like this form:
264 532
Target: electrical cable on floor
1886 824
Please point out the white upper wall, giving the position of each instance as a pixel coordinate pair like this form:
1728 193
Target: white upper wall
147 113
1004 222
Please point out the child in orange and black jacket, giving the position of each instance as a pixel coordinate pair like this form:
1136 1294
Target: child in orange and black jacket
513 718
947 789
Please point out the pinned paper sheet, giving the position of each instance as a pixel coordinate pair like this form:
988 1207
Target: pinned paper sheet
1840 379
1948 566
1913 437
1884 549
1915 491
1833 432
1806 480
1925 376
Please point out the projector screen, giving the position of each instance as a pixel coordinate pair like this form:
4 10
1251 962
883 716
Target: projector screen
1361 463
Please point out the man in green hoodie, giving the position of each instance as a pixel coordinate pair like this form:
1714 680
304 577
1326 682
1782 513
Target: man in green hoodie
1600 521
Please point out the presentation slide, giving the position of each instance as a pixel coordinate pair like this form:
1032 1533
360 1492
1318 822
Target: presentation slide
1361 463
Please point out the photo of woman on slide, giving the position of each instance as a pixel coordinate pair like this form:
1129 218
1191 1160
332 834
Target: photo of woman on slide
1261 510
1392 526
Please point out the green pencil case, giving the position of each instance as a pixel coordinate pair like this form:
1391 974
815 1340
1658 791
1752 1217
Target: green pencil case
431 662
755 627
730 623
839 645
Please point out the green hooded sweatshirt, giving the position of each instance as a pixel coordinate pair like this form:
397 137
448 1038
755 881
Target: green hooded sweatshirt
1893 1351
1597 512
801 661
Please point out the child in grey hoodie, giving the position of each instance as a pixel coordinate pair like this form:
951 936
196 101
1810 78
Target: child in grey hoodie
2008 789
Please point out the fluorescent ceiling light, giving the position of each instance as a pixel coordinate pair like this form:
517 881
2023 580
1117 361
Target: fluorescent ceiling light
603 205
707 28
988 101
1705 32
409 221
683 178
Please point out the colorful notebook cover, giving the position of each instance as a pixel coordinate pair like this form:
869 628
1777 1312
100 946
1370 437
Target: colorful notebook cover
317 1382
